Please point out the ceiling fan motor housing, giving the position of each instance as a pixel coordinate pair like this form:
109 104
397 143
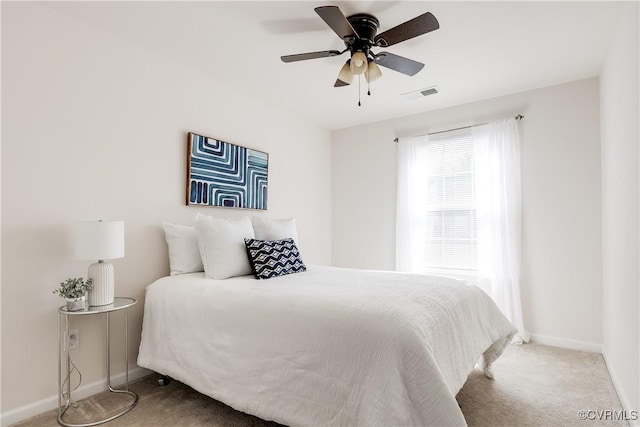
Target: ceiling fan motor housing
366 27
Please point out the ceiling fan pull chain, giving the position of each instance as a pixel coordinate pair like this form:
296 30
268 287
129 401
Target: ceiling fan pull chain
359 105
368 83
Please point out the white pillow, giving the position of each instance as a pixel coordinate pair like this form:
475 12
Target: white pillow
275 229
222 248
184 254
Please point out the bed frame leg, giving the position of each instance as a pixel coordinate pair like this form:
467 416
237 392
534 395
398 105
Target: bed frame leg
164 381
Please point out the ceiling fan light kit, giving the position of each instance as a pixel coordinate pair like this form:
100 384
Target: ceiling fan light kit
373 72
345 77
359 63
359 34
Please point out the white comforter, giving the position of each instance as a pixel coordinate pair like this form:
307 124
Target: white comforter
330 346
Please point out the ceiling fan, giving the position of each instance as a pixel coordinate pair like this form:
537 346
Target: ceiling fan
358 32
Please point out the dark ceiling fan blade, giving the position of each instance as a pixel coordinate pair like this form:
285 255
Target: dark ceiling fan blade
335 19
310 55
413 28
340 83
398 63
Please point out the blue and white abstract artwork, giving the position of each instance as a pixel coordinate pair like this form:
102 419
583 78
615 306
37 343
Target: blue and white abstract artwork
223 174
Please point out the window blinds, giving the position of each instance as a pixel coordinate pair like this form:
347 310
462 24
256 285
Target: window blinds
451 239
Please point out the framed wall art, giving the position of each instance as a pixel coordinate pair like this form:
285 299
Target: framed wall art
224 174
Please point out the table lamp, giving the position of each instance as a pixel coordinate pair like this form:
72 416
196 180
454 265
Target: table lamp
100 240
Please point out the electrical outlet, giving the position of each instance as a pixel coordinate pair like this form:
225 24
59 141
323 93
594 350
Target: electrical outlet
74 339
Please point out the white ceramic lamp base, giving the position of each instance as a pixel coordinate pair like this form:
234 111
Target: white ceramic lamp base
102 292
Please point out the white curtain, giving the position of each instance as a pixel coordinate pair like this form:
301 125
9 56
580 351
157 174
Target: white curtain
410 209
498 209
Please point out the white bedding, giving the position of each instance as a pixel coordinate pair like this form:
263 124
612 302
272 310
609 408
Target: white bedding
330 346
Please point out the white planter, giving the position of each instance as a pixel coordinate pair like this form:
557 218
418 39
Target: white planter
76 304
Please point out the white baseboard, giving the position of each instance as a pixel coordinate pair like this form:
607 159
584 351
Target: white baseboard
626 404
567 343
29 410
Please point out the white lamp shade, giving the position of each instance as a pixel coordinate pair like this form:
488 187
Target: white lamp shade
373 72
99 240
346 75
358 63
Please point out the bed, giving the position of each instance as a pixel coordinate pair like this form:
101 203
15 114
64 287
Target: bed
330 346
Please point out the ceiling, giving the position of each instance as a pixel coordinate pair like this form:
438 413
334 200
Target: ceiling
482 49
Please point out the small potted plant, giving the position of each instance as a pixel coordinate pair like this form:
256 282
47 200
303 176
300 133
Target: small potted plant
74 290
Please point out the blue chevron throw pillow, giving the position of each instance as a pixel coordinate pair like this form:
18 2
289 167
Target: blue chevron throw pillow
273 258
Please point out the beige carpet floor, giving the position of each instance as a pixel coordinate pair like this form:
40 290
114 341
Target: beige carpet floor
535 385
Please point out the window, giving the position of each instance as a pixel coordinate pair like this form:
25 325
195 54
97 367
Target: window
451 232
458 209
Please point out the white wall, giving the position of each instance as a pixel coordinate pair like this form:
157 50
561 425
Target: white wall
561 278
620 207
94 127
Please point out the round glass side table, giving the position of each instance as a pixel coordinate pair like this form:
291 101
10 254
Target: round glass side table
64 358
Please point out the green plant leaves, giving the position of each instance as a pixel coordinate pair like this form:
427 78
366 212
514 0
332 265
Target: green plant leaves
74 288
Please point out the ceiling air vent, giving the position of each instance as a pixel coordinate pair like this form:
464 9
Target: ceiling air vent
420 93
